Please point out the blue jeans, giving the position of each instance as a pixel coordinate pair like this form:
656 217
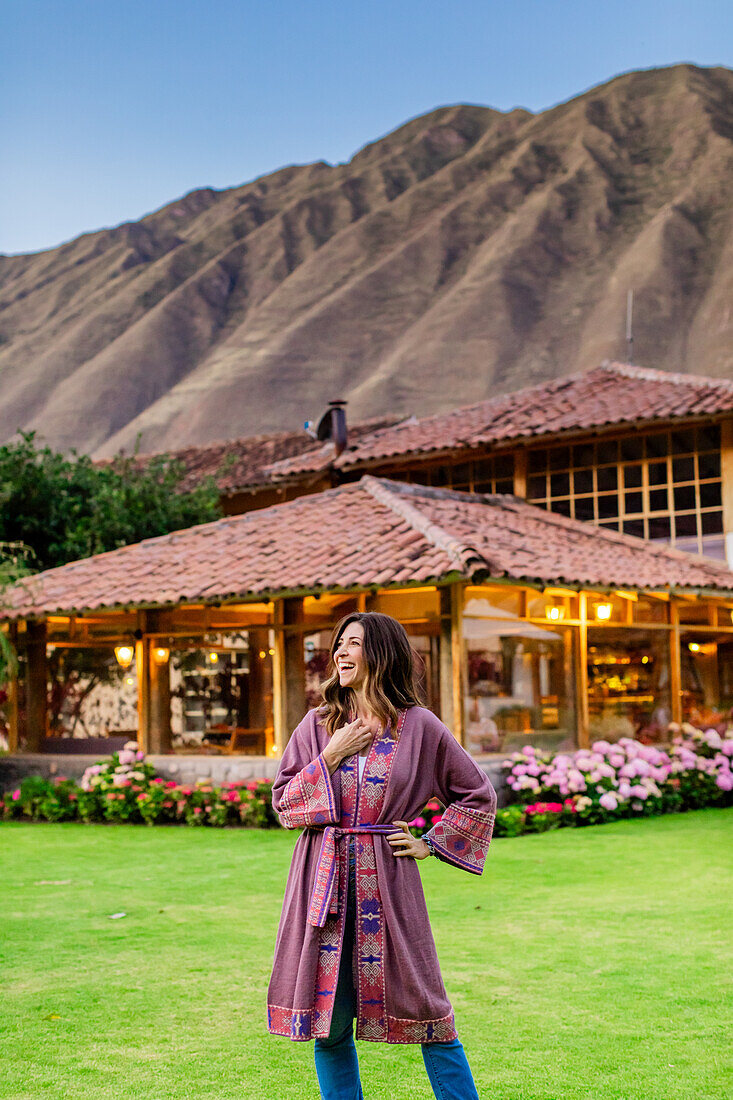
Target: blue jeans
337 1065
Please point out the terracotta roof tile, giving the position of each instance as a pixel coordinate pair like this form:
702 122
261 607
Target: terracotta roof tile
610 395
239 464
370 532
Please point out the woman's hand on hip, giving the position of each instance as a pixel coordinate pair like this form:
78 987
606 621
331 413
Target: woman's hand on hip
346 741
405 844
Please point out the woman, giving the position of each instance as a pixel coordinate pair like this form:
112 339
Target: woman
354 938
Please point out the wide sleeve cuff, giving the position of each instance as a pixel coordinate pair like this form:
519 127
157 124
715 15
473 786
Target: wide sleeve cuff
463 836
307 798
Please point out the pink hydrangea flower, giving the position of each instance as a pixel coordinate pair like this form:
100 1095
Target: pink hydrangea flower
608 801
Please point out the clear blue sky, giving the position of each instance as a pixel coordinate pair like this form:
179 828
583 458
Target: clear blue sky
111 108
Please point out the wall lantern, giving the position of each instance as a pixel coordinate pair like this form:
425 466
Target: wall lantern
694 647
603 611
262 654
555 613
161 654
124 655
212 657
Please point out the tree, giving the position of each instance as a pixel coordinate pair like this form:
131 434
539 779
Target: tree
65 507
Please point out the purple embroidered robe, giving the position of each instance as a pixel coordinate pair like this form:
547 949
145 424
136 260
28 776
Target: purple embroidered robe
400 993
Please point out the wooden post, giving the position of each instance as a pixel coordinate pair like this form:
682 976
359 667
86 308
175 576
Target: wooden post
520 473
159 738
452 676
12 703
142 664
446 659
36 689
726 469
581 674
675 663
288 669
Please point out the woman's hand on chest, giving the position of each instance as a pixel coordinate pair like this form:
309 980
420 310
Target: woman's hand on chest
348 740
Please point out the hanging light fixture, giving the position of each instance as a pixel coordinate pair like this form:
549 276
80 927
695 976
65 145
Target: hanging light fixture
124 655
161 654
603 611
554 613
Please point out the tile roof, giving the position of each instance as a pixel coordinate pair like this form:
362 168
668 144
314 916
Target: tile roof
612 394
371 532
239 464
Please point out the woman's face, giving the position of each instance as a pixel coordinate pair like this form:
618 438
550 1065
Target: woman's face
349 656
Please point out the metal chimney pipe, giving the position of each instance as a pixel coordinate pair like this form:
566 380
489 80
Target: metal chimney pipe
339 430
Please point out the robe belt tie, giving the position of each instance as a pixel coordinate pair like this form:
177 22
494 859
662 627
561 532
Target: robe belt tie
325 897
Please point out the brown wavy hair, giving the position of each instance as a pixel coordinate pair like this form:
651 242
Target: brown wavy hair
390 684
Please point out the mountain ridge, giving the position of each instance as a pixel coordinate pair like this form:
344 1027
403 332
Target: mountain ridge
492 248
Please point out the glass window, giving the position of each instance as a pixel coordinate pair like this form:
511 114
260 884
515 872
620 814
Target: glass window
660 528
628 683
90 694
685 525
712 523
709 465
707 677
560 485
517 685
710 494
683 469
684 497
658 473
584 508
607 505
537 486
583 482
607 478
632 477
595 474
222 688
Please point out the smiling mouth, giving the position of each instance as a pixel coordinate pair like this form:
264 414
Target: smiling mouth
346 668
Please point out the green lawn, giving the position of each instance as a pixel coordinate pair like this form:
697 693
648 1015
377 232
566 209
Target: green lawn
585 963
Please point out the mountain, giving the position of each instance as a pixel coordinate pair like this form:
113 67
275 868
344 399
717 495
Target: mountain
466 254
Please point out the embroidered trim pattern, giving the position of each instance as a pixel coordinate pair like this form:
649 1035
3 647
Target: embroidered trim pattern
308 797
421 1031
463 837
371 1020
296 1023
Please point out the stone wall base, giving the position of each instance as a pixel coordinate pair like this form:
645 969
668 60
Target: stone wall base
183 769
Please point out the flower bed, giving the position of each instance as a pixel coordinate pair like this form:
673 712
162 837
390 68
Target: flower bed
604 783
126 788
614 780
